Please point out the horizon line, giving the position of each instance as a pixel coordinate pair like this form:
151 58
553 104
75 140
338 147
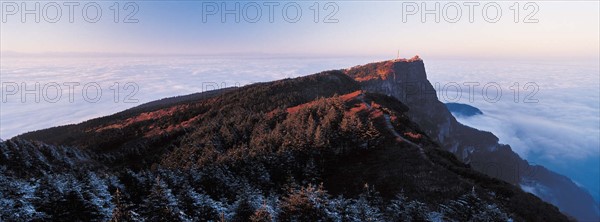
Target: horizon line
391 56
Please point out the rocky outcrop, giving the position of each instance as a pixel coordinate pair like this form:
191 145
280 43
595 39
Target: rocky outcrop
463 110
407 81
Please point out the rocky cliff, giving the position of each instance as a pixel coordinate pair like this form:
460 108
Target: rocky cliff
407 81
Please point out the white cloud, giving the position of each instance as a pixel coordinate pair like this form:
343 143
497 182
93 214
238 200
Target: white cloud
561 131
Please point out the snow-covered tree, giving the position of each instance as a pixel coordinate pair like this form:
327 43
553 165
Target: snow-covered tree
16 200
198 206
401 209
469 207
368 205
160 205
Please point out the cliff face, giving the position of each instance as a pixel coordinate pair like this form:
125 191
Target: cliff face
407 81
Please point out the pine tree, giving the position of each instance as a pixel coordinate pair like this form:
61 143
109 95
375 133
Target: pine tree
469 207
198 206
75 208
306 204
96 192
400 209
368 205
47 196
159 205
121 211
320 138
244 210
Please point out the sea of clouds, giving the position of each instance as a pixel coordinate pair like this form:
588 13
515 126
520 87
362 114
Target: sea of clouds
559 127
560 131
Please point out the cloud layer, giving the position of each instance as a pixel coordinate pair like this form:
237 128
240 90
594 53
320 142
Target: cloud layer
560 131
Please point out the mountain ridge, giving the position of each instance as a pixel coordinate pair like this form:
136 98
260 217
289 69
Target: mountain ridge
303 130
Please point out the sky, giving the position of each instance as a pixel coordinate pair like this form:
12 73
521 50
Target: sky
560 29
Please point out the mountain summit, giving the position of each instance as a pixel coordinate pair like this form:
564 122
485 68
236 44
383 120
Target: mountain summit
359 144
407 81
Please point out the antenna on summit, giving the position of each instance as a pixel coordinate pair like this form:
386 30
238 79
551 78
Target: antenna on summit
398 55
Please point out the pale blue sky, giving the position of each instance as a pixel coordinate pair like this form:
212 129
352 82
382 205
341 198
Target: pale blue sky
565 30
